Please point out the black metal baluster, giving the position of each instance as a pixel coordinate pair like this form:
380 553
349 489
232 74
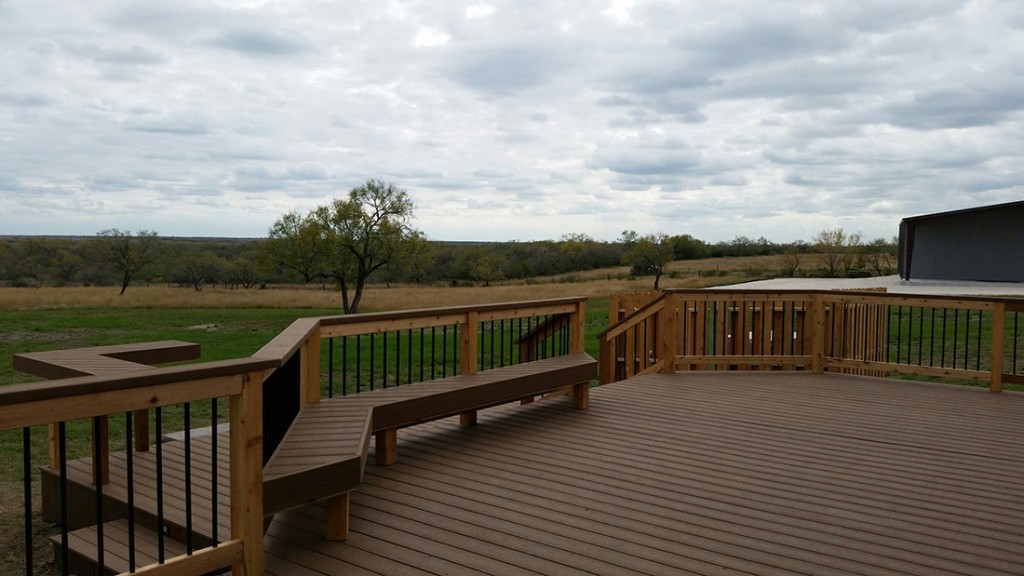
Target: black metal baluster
942 361
967 337
409 360
384 360
920 338
359 363
188 477
97 478
491 341
910 334
956 332
130 481
330 367
397 358
455 349
373 358
62 440
433 351
931 341
422 350
26 456
160 484
344 365
501 343
214 495
444 351
518 338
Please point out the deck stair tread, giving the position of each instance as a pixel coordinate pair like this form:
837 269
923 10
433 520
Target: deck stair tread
82 544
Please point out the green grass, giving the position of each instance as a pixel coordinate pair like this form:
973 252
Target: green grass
221 333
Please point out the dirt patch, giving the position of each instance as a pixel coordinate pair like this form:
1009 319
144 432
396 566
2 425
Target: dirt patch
204 327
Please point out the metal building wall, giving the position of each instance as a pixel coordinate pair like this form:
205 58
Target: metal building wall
984 244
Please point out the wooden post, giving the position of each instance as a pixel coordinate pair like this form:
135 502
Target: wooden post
581 396
247 474
578 327
668 321
385 452
310 369
468 419
468 342
817 333
607 356
998 344
337 519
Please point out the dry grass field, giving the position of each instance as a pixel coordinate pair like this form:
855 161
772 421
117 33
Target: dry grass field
593 284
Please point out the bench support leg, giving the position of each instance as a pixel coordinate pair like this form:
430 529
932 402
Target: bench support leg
386 452
467 419
337 517
581 396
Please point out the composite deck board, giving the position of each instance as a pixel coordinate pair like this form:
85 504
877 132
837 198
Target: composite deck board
699 473
173 485
725 473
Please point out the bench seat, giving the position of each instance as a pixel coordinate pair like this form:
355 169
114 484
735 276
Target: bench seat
324 452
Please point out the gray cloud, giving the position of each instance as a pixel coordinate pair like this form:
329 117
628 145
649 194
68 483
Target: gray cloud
506 70
260 43
516 120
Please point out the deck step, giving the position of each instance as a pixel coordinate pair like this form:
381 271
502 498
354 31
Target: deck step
83 550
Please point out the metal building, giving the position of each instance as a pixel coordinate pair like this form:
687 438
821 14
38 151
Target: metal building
982 244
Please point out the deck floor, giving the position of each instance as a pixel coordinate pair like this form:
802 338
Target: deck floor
696 473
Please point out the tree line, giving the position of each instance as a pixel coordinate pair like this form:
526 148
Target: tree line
368 237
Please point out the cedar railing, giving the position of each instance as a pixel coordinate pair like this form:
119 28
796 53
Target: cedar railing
977 339
264 394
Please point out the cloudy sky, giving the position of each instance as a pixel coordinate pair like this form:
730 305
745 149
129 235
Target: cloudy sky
509 120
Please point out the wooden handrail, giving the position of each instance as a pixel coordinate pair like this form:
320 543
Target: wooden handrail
125 387
819 330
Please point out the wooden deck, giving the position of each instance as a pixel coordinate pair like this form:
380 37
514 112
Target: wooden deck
697 473
721 473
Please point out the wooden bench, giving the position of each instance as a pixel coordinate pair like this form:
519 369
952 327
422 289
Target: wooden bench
324 453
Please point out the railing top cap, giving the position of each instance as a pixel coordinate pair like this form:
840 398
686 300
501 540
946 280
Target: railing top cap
145 376
490 307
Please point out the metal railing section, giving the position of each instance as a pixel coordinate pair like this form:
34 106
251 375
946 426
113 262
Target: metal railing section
264 393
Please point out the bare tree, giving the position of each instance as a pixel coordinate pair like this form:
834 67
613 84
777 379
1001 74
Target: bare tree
128 254
648 254
789 261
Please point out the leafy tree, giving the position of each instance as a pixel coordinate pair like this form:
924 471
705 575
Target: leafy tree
686 247
128 254
66 265
482 264
648 254
199 267
295 243
243 271
365 233
575 244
